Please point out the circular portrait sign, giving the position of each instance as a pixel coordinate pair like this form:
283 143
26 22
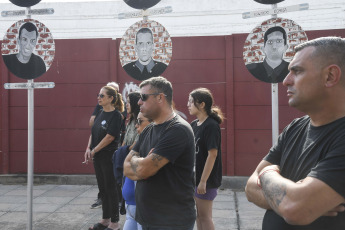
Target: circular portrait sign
145 50
141 4
268 1
269 48
28 49
25 3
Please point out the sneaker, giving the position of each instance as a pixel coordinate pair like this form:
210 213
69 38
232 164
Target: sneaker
98 204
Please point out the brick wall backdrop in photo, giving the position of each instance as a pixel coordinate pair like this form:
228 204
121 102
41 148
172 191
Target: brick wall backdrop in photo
252 52
162 42
45 46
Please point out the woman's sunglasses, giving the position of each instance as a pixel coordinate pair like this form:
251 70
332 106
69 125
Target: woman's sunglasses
100 95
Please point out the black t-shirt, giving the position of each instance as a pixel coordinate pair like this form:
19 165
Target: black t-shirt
97 109
207 137
33 69
106 123
166 198
304 150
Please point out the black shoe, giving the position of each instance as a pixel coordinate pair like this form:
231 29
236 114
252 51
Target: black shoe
98 204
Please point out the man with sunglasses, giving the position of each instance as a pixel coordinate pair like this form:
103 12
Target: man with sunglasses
162 162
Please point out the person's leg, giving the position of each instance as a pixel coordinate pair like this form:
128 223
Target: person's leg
98 202
130 223
204 214
98 165
111 196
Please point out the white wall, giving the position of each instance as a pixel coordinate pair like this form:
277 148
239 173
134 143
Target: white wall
98 19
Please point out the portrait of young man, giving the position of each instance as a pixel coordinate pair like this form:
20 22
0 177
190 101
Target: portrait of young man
26 64
274 68
145 67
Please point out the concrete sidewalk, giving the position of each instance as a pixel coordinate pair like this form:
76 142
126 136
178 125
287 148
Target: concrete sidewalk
67 207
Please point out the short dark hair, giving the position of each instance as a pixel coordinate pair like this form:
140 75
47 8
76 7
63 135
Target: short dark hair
29 27
143 31
330 50
274 29
161 85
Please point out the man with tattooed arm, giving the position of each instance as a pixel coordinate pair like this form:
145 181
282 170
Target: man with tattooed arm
301 181
162 162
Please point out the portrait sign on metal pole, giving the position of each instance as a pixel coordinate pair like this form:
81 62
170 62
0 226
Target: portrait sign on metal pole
28 50
269 49
145 50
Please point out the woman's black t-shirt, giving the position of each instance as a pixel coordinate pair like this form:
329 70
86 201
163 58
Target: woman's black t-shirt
106 123
207 137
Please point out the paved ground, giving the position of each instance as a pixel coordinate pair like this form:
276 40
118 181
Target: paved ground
66 207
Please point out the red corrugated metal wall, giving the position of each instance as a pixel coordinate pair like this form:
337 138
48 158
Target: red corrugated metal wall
81 67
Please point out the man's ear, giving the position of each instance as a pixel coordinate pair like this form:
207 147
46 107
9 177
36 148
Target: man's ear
333 75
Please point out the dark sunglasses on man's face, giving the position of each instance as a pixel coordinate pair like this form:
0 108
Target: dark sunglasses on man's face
139 121
144 97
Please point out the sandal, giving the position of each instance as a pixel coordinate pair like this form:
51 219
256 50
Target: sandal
98 226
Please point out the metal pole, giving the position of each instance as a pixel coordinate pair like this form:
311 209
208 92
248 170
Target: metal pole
30 145
275 113
30 153
275 104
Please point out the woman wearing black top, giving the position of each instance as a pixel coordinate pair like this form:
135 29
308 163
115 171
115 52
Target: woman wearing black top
104 139
208 164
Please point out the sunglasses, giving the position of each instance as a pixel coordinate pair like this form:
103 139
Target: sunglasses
144 97
101 95
139 121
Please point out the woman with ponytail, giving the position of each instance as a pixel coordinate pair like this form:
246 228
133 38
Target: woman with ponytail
208 165
103 141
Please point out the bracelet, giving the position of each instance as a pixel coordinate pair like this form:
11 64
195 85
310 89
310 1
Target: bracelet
258 180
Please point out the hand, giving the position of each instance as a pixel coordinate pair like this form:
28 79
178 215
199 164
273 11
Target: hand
334 211
201 188
87 156
150 151
270 167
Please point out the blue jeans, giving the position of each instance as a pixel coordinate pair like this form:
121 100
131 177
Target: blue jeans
130 223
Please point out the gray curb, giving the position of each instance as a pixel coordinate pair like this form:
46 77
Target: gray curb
228 182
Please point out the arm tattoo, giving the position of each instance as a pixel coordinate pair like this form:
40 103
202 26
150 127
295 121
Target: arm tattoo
274 192
156 159
134 166
134 163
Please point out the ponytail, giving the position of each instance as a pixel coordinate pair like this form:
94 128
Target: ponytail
216 114
118 103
